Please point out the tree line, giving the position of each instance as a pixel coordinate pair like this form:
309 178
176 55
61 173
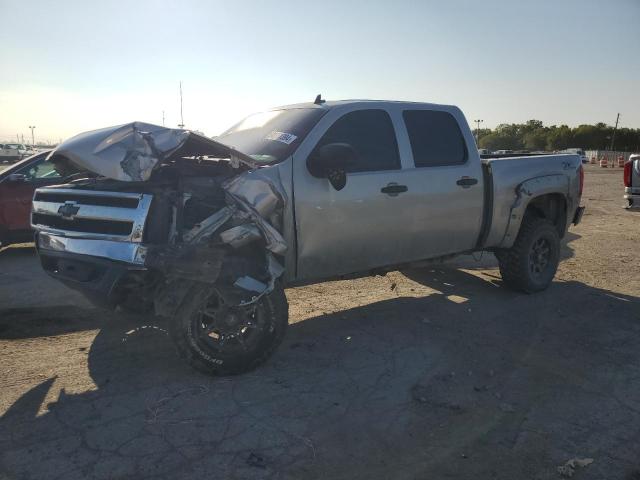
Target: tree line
533 135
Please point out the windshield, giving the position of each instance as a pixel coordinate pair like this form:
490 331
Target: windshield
270 137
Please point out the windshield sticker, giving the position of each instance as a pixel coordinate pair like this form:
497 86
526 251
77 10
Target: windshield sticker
283 137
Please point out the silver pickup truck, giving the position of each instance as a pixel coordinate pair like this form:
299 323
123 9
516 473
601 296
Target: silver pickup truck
208 232
632 183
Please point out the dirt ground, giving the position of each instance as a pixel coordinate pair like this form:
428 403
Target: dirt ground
423 374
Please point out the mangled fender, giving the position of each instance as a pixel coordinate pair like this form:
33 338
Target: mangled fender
254 201
262 199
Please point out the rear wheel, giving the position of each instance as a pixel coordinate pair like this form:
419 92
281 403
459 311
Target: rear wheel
531 263
221 339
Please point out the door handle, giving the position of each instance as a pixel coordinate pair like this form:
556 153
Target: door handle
393 189
466 182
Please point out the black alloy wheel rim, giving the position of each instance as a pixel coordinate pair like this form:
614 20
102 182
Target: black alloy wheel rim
539 257
223 328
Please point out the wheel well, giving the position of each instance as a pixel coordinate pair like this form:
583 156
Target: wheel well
553 207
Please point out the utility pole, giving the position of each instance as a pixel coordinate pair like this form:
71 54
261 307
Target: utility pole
613 137
181 124
33 144
478 122
163 118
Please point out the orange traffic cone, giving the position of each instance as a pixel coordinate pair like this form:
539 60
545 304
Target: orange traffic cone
621 161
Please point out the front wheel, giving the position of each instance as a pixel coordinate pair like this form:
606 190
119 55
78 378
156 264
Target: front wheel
221 339
531 263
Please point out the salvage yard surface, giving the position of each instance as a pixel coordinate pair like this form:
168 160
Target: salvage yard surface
432 373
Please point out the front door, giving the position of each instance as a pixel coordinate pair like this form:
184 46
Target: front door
359 227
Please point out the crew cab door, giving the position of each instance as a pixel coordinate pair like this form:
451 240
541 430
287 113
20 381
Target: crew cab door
443 206
358 227
428 205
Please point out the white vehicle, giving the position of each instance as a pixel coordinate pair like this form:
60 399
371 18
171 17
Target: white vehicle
12 152
577 151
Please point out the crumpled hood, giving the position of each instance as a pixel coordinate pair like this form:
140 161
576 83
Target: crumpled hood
131 152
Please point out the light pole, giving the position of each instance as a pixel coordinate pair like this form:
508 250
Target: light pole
181 124
613 136
478 122
33 143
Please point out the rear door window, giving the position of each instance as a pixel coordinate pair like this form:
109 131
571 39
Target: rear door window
436 139
371 134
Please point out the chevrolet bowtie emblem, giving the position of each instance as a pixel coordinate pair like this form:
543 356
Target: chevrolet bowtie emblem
68 210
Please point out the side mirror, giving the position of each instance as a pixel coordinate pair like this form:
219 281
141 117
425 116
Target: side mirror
17 178
331 161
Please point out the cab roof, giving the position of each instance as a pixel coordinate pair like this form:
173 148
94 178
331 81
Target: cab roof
328 104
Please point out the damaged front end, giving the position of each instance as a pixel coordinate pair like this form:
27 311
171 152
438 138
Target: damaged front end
166 210
238 247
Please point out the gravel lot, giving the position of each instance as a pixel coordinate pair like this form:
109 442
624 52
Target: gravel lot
431 373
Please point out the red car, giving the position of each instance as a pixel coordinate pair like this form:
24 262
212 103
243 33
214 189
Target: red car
17 184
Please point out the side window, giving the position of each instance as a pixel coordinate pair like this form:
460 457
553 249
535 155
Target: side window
371 134
39 170
435 137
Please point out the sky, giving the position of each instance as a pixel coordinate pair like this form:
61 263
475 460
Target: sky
71 66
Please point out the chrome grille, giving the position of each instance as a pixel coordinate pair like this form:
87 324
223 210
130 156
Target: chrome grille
116 216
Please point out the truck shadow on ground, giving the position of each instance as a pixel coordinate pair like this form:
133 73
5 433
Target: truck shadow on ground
34 322
490 384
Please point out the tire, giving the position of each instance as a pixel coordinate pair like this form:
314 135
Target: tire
217 339
525 266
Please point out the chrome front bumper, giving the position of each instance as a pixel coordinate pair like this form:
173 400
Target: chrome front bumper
132 253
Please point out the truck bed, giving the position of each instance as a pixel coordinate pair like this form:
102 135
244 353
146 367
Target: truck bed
505 174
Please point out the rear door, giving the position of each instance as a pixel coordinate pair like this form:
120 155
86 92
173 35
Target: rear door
357 228
443 206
